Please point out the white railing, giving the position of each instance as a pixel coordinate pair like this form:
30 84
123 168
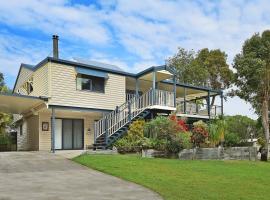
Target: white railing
123 114
198 109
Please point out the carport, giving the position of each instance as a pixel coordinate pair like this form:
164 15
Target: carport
20 104
27 106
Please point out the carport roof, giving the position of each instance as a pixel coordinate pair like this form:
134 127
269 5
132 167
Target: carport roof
19 104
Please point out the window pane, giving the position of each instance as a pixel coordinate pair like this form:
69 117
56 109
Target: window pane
79 83
86 84
98 84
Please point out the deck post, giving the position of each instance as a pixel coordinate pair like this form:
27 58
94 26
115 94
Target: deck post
137 87
154 87
208 104
53 131
185 102
221 98
174 91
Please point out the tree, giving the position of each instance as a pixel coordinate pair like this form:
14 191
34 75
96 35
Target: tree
5 119
204 68
253 78
2 83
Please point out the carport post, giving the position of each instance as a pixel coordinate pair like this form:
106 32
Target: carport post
53 131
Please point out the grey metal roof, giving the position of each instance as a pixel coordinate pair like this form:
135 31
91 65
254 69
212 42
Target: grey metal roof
98 64
28 66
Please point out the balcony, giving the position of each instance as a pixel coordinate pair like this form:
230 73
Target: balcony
164 100
200 110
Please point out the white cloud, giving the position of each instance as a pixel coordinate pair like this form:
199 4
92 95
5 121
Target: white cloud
76 22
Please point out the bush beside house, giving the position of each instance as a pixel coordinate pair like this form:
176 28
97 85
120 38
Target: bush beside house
167 136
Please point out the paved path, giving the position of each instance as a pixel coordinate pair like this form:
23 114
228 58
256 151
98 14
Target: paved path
37 175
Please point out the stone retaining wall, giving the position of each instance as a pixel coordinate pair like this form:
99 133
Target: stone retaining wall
220 153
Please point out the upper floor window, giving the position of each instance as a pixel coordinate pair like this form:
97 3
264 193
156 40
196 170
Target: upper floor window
90 83
28 86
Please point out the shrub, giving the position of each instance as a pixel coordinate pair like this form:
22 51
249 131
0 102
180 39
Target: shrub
185 139
180 124
5 139
134 140
136 130
161 128
231 139
168 134
217 131
199 133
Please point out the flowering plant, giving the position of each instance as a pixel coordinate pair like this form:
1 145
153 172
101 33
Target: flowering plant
200 133
180 124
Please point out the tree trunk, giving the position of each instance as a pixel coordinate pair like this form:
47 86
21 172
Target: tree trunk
265 123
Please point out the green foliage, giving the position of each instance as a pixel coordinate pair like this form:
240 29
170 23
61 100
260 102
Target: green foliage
5 139
2 83
243 126
167 134
231 139
134 140
160 128
185 139
233 130
5 119
136 130
206 67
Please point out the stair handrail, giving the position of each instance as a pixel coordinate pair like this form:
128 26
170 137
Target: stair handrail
124 113
119 117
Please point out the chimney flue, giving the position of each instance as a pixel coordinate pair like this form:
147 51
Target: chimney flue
55 46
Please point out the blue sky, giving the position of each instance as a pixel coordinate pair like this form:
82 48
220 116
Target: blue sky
133 34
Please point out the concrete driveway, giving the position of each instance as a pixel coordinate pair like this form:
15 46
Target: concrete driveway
37 175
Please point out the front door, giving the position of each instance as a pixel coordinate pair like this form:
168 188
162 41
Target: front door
69 134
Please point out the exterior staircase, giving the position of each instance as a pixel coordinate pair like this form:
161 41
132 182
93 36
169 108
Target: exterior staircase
115 124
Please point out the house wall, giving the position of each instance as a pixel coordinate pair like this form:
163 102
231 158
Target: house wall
45 136
30 135
33 133
22 139
24 75
64 92
41 82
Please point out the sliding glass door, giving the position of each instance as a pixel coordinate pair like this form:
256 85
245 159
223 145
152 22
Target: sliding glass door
69 134
77 134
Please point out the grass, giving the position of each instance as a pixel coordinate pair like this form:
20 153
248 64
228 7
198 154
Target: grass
178 179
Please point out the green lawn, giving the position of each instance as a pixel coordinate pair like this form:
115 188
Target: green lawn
177 179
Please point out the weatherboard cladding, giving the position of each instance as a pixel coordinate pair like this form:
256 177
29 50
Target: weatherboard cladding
64 92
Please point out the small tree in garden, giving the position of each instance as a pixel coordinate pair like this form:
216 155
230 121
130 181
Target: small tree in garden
199 133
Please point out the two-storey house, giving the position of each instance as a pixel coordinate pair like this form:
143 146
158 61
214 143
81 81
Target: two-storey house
62 104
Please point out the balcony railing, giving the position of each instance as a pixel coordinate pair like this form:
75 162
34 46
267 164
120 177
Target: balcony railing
191 108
